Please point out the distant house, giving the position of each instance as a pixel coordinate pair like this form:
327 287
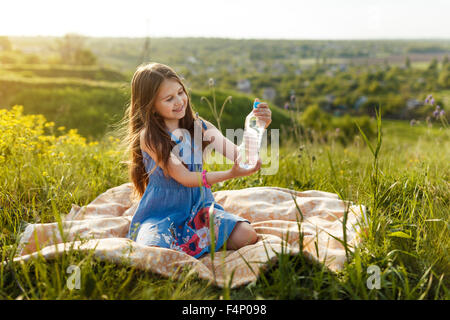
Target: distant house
413 103
330 98
193 71
192 59
210 69
260 66
359 102
298 72
339 110
269 93
343 67
244 86
420 80
278 68
327 102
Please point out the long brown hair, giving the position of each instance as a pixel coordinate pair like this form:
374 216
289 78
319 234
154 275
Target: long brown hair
139 115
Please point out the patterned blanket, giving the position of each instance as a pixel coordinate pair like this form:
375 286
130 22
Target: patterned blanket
277 214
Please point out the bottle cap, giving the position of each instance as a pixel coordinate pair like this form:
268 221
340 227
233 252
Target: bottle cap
255 104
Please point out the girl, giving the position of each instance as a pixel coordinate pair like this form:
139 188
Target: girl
175 197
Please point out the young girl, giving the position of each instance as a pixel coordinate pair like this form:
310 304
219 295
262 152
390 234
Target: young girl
175 197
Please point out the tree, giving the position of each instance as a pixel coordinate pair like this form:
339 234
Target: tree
32 59
315 118
433 65
68 45
407 63
85 57
71 50
444 79
444 62
5 44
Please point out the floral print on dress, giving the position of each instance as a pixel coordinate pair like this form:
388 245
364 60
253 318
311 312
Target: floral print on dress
200 238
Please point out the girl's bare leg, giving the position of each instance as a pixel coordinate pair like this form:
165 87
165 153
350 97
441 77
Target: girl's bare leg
242 235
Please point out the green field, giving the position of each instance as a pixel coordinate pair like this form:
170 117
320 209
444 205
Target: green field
408 235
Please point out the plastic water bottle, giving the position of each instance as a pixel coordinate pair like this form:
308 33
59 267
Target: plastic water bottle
251 142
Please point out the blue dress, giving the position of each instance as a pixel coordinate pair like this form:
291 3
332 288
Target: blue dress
173 216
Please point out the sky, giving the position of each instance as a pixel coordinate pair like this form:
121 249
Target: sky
236 19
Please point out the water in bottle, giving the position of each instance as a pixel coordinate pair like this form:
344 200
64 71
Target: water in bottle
251 142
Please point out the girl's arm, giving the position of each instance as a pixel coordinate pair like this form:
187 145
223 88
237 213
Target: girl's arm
224 145
187 178
220 143
194 179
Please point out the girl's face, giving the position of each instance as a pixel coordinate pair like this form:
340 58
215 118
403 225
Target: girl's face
172 101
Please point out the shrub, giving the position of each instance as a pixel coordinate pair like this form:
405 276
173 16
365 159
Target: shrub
316 119
346 130
41 160
319 125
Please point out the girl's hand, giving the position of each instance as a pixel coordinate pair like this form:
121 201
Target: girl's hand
237 171
263 113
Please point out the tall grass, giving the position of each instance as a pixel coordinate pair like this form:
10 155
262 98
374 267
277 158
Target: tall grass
407 237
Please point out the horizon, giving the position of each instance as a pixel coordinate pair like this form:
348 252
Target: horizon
226 38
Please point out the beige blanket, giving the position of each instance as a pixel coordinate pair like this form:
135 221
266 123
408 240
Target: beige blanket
101 226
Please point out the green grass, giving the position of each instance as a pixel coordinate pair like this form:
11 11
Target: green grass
405 187
93 107
64 71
